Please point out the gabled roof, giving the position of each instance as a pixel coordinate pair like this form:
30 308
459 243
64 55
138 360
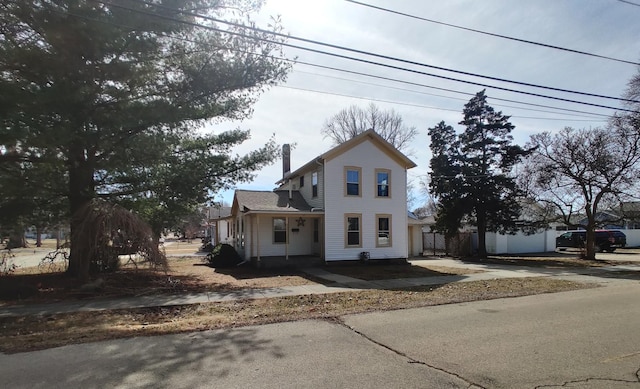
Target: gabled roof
269 201
370 135
415 220
217 213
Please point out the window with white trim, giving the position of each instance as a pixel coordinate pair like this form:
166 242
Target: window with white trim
279 230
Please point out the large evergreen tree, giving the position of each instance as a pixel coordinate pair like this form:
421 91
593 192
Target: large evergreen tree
446 180
105 97
471 173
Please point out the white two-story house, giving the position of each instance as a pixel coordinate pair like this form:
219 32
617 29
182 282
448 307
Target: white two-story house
349 203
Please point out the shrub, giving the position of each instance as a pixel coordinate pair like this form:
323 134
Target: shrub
223 255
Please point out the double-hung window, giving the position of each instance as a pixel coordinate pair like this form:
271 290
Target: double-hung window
383 183
353 230
279 230
314 184
353 177
383 230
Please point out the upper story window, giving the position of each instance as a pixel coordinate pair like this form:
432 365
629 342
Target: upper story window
353 177
301 181
314 184
383 183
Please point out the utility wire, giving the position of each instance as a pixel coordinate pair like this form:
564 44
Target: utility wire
382 56
443 96
362 60
374 76
442 89
422 106
498 35
629 2
362 74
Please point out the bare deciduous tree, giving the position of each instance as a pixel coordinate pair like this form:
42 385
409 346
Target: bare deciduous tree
584 171
355 120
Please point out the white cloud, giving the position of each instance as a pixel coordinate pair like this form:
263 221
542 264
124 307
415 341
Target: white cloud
295 116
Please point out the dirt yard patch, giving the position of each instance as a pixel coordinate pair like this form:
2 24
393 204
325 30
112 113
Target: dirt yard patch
39 332
186 274
552 260
385 272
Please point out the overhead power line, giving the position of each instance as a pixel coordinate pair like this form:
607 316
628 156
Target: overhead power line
629 2
333 46
367 74
442 89
422 106
456 98
499 35
347 57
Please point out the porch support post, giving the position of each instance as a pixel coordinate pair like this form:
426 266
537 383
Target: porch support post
258 238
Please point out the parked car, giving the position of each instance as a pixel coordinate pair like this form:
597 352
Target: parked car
606 240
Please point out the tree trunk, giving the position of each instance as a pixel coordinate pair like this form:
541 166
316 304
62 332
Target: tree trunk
38 236
16 239
81 192
482 235
590 244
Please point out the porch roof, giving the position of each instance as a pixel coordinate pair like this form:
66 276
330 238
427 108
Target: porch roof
270 202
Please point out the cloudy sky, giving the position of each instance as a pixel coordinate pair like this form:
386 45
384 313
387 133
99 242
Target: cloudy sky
296 111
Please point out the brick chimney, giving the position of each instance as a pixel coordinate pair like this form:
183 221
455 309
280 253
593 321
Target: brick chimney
286 160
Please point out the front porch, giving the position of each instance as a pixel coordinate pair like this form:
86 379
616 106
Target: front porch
281 238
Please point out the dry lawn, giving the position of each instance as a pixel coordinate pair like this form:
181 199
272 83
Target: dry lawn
189 274
552 260
385 272
186 274
40 332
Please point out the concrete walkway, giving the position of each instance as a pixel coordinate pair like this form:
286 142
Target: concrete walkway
603 275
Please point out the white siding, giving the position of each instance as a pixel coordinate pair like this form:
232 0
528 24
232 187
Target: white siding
368 157
223 231
306 191
300 242
415 242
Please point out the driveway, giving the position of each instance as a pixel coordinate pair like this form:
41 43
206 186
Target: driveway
623 255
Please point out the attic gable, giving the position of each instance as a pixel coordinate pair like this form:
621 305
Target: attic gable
342 148
378 141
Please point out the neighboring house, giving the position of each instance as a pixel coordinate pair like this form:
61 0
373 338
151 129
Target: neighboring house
416 225
219 225
349 203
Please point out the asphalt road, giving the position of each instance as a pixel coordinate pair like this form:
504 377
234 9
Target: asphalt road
581 339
